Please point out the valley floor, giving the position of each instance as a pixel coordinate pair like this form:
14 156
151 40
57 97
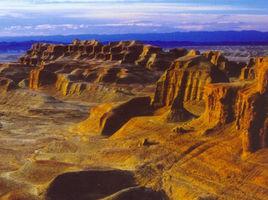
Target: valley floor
39 142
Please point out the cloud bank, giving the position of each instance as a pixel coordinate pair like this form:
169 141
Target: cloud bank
65 17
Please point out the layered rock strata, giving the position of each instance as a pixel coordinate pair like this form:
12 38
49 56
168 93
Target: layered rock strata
185 81
231 68
75 68
252 109
244 103
106 119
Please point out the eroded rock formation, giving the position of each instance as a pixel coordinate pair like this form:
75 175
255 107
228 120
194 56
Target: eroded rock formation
231 68
252 109
242 102
185 81
108 118
78 67
217 109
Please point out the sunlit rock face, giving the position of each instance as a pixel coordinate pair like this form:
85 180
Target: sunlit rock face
106 119
184 82
252 109
75 68
187 75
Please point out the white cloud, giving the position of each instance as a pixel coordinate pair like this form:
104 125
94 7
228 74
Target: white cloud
90 16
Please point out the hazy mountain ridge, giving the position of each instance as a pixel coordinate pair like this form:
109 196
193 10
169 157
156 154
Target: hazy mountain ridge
196 36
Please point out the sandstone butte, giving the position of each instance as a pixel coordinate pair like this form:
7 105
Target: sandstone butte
175 124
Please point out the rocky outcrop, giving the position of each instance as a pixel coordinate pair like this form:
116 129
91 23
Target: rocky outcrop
11 74
73 68
108 118
231 68
126 62
204 78
6 84
248 72
15 71
244 103
185 81
220 100
187 75
41 77
252 109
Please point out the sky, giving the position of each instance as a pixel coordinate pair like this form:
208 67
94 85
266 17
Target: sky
68 17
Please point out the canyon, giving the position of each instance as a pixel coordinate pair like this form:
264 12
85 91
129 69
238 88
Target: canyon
128 120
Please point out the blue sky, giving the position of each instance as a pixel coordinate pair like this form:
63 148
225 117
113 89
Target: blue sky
65 17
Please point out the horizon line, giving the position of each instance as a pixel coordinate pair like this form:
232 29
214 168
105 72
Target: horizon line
130 33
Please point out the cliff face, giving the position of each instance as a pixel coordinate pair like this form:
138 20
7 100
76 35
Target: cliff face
248 72
190 78
127 52
244 103
106 119
188 75
185 81
231 68
76 68
220 100
252 109
6 84
204 78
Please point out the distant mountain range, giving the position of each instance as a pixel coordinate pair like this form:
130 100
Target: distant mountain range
165 40
198 37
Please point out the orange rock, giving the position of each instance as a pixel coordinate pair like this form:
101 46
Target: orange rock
252 109
108 118
220 99
40 77
186 77
231 68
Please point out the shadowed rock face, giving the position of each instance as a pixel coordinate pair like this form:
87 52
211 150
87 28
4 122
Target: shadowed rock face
6 84
99 184
15 71
134 193
231 68
248 72
89 184
108 118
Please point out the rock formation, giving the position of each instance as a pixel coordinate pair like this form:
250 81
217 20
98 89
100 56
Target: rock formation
6 84
220 100
108 118
231 68
78 67
187 75
252 109
242 102
185 81
162 124
247 72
